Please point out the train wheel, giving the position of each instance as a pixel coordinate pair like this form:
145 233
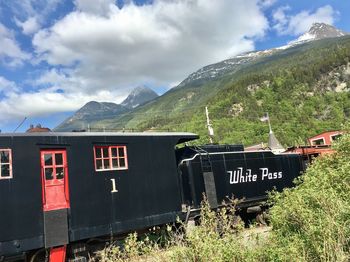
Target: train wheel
263 218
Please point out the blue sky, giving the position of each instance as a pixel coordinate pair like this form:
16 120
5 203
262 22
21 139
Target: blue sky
56 55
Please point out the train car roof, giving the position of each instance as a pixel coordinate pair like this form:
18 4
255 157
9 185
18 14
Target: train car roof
182 136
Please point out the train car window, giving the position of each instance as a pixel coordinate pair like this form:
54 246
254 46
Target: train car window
59 172
5 164
336 137
54 167
318 142
110 158
48 159
59 159
49 173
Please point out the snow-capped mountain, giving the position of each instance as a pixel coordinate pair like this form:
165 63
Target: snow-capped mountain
216 70
316 32
139 96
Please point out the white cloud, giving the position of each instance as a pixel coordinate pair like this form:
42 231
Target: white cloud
267 3
45 102
302 21
28 8
29 26
10 52
97 7
31 15
159 43
7 86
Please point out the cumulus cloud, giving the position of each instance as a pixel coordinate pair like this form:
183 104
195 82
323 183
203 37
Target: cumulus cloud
29 26
98 7
159 43
31 15
10 52
7 85
267 3
45 102
299 23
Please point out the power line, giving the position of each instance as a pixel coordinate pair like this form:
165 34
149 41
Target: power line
20 124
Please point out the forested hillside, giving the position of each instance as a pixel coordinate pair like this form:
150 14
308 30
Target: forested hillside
304 89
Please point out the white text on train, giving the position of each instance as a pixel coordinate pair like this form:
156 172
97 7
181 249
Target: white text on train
239 176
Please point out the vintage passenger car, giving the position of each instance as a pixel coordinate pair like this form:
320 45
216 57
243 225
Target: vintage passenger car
57 188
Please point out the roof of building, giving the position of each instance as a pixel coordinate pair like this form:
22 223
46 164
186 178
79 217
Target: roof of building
37 128
327 132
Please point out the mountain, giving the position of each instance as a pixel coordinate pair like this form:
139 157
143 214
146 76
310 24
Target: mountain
139 96
217 70
319 31
90 112
94 111
304 87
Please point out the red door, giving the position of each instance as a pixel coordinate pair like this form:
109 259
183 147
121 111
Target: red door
54 172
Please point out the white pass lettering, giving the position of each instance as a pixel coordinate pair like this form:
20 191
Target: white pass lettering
246 176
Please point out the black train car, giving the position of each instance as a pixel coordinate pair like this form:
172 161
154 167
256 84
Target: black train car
226 171
58 188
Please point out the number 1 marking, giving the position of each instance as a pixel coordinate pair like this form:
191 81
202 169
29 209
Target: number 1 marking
114 188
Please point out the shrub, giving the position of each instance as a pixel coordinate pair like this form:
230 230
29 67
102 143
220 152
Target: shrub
311 221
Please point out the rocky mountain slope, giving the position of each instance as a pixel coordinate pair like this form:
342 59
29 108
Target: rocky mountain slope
319 31
316 32
95 111
139 96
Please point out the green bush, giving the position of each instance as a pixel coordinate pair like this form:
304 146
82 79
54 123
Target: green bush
311 222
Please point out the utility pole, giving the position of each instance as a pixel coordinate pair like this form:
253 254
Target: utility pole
209 126
268 120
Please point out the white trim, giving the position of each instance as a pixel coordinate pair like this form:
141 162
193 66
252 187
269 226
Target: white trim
235 152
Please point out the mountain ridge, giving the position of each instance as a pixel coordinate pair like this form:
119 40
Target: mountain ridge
94 111
292 77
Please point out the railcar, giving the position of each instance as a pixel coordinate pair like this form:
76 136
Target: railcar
58 189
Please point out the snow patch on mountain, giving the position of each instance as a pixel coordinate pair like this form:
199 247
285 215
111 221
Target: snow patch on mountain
316 32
